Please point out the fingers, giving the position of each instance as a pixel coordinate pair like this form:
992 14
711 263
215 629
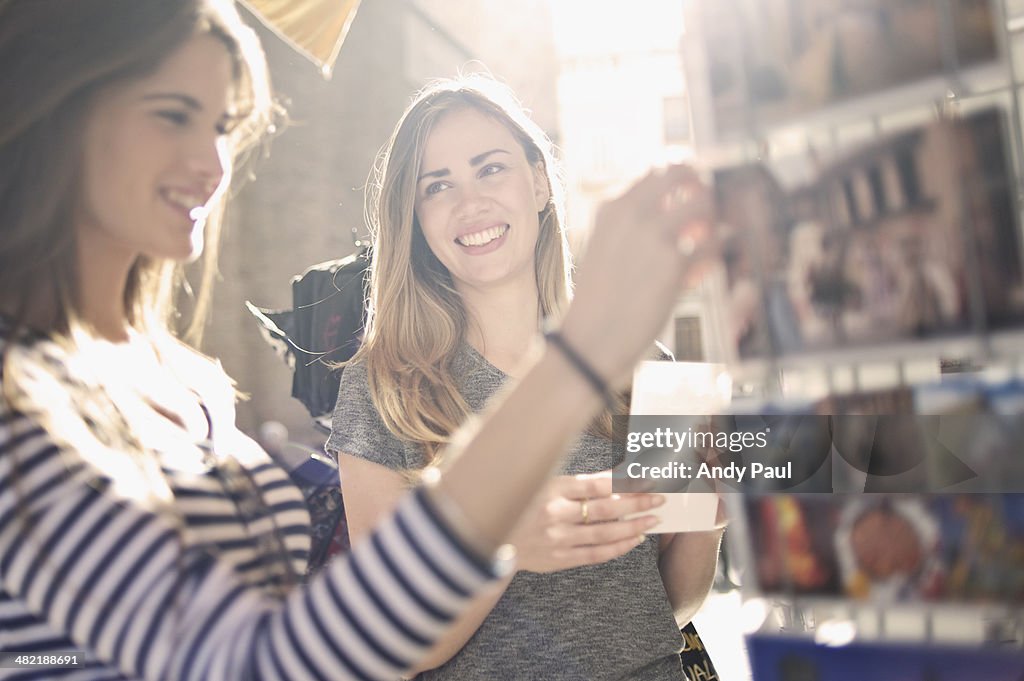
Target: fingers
690 192
581 522
586 486
600 553
693 215
659 181
569 536
675 194
621 505
689 226
573 545
680 209
588 499
611 532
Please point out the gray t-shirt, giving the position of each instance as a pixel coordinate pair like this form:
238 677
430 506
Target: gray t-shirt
607 621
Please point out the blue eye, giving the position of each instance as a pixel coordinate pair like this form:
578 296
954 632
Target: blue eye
491 169
435 188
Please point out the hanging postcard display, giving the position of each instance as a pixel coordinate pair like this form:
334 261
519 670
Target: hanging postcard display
772 60
880 243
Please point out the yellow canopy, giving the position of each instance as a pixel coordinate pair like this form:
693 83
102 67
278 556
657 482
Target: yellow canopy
316 28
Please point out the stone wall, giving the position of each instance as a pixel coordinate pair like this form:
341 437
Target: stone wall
304 200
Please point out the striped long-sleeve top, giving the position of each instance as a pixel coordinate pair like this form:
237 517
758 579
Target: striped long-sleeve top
86 569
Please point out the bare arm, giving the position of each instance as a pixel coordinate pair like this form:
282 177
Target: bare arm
371 492
688 562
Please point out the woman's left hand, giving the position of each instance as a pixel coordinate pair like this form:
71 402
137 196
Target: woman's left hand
577 521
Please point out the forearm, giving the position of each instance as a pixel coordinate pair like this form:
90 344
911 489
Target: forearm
515 447
463 628
369 614
517 442
688 563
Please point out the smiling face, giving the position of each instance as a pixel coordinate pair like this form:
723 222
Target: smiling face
478 199
155 157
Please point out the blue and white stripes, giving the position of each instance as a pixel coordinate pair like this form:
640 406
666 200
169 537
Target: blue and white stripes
83 568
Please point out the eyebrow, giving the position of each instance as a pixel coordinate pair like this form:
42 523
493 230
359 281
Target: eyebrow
190 102
475 161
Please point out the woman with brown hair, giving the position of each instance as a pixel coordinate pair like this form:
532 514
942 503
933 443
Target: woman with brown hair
141 534
469 256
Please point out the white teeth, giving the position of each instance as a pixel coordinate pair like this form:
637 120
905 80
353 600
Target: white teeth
189 202
484 236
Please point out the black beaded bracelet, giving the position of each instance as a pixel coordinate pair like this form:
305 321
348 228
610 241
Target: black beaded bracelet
582 366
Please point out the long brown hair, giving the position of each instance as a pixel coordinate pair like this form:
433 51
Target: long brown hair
416 319
58 58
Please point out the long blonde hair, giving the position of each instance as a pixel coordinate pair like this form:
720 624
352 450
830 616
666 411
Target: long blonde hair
416 320
59 57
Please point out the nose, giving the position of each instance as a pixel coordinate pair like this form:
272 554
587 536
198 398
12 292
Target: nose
210 161
471 202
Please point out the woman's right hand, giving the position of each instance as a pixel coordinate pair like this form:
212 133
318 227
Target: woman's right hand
577 520
645 245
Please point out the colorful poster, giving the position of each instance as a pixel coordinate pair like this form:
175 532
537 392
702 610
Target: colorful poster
966 548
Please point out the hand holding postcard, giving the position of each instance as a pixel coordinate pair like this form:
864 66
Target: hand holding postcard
685 391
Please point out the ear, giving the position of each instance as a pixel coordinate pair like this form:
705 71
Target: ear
541 189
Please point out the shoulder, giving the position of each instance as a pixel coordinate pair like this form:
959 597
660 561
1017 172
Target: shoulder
354 390
48 427
354 410
16 345
354 373
37 368
356 425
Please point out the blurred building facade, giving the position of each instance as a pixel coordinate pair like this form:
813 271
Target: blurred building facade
622 96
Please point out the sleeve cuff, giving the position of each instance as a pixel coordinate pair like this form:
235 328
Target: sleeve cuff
487 568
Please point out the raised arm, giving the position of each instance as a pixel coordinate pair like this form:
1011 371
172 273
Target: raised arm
123 583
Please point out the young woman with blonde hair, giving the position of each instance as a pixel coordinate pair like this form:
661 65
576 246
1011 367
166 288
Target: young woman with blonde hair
469 256
142 535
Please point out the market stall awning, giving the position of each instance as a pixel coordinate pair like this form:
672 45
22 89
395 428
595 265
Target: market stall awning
315 28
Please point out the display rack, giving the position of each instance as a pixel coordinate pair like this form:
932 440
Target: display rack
965 631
